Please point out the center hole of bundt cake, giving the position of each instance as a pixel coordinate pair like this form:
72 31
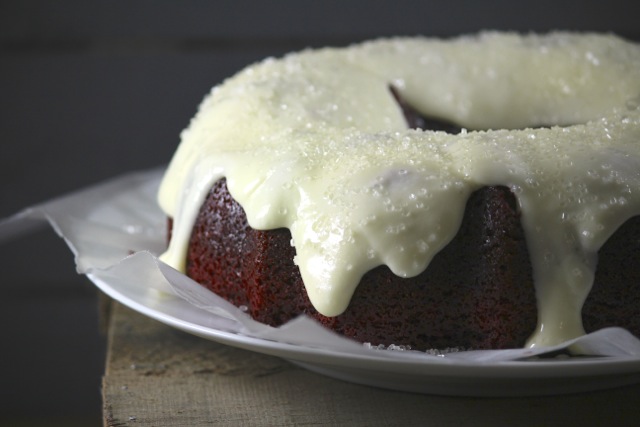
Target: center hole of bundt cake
416 120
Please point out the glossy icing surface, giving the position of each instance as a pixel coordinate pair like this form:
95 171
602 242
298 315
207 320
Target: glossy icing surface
316 143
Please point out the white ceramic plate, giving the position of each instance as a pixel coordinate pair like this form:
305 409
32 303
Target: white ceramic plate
435 376
106 223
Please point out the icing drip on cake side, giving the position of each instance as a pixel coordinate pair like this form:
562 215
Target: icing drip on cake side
315 142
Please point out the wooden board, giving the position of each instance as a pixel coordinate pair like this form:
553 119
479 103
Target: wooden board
158 376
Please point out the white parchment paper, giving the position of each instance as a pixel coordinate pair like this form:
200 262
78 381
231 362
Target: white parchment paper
116 231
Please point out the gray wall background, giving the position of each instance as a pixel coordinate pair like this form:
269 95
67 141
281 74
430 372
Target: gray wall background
92 89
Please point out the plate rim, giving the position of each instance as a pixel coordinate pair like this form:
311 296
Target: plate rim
450 368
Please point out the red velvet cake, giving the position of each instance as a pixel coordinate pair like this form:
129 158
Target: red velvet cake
477 292
300 189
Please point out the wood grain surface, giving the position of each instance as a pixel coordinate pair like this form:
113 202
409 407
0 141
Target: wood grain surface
158 376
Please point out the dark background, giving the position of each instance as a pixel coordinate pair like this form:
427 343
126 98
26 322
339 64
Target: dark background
92 89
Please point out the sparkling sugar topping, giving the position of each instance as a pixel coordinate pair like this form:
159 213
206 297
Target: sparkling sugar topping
315 142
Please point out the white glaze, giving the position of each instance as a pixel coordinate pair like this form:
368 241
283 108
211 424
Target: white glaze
315 142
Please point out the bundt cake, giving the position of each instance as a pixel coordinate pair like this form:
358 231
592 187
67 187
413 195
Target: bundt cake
421 192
